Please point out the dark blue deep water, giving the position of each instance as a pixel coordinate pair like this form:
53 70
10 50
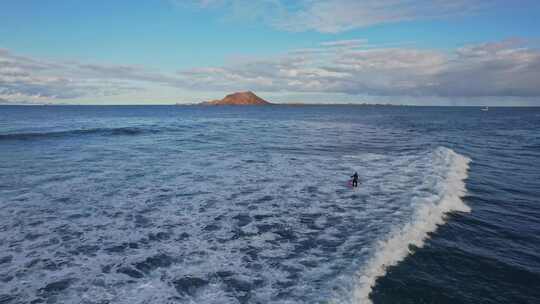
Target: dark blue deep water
159 204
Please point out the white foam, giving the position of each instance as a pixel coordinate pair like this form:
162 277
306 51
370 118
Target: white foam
429 215
303 233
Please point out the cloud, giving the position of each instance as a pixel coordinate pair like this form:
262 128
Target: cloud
332 16
498 69
352 43
25 78
125 72
493 69
341 15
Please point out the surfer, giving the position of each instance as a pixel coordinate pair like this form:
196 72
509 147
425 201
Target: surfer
355 179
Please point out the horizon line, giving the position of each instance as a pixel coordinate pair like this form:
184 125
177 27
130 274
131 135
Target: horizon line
264 106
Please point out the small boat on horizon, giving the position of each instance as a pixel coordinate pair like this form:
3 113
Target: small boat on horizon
485 109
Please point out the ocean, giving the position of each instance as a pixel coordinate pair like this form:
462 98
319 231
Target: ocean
194 204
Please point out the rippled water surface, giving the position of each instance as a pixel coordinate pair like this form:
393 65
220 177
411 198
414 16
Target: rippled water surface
252 205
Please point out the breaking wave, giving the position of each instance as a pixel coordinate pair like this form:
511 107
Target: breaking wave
237 223
452 170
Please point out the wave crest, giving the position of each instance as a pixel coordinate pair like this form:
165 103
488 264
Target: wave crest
429 215
77 132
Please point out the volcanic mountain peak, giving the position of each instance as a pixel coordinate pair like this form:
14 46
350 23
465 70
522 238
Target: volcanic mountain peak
239 98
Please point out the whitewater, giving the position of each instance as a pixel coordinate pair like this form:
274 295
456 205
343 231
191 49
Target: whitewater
214 210
431 212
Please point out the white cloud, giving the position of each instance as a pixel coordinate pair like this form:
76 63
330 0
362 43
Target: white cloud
494 69
352 43
500 69
332 16
25 78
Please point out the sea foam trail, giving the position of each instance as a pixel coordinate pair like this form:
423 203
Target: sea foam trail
452 172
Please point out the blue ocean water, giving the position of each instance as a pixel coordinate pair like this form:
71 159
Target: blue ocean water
163 204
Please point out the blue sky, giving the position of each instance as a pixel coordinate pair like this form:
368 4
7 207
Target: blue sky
167 51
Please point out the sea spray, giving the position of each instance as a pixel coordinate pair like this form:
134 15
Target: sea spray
431 213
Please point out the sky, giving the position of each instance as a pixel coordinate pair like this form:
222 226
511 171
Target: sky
418 52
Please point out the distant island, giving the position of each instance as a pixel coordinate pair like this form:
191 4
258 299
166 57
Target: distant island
239 99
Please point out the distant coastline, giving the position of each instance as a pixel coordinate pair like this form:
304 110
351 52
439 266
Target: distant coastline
247 98
14 104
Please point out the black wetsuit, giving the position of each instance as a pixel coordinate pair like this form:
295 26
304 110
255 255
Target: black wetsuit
355 179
